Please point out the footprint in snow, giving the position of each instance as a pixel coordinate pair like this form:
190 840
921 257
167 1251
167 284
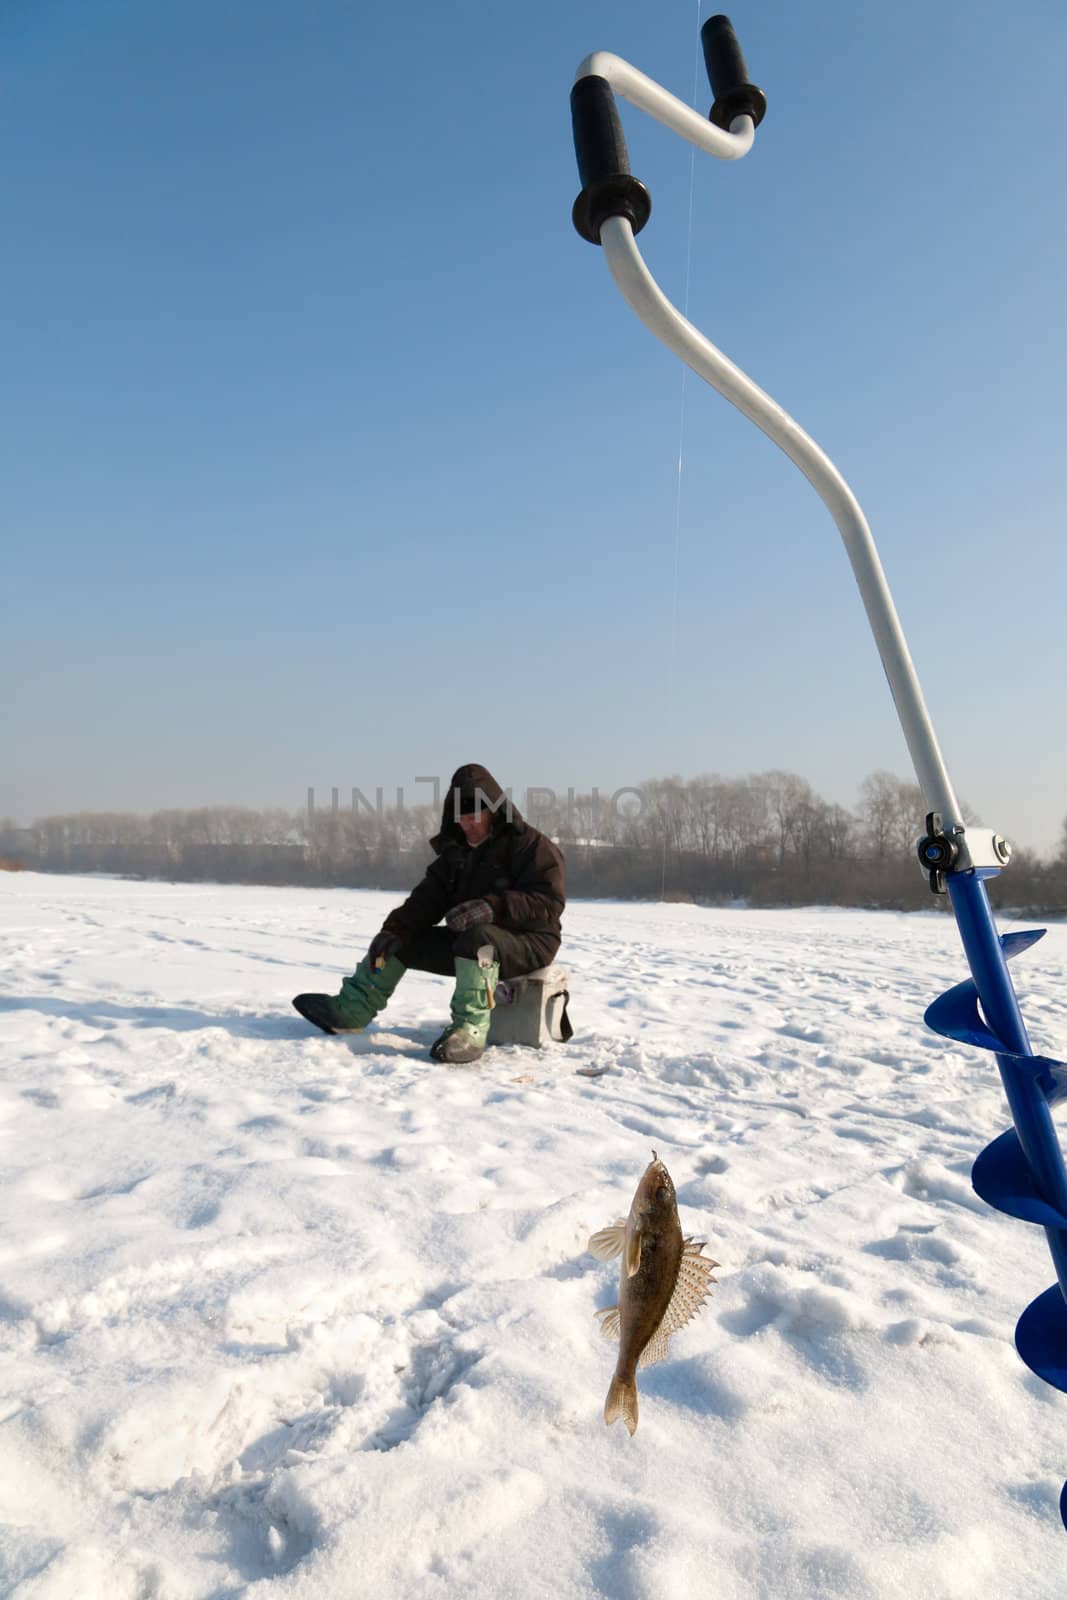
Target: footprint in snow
915 1243
705 1165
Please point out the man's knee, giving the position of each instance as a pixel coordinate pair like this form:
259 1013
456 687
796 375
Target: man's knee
471 940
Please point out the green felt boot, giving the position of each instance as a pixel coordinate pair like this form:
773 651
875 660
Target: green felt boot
362 996
472 1010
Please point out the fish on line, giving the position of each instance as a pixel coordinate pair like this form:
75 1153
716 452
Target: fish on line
663 1283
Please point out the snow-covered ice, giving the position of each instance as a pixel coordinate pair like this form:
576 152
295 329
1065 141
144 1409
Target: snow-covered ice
294 1316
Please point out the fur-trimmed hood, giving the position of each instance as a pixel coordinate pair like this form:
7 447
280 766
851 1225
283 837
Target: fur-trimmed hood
467 783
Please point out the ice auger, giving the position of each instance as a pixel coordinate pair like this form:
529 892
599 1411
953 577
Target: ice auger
1022 1172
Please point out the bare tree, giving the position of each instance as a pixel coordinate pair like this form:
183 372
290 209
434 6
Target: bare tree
787 797
891 811
705 796
665 814
743 819
840 833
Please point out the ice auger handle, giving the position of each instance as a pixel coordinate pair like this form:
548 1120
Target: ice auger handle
610 192
609 189
728 76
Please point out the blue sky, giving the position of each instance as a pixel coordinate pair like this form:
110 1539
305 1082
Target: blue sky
332 455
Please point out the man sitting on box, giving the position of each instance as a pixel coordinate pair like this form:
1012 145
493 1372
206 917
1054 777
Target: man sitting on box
499 885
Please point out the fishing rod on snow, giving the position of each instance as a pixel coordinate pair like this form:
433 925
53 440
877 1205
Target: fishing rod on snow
1022 1172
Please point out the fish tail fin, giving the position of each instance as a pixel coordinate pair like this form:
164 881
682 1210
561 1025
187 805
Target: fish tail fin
622 1402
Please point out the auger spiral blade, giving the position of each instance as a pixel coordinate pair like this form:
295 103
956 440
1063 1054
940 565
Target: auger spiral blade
1041 1337
1021 1172
1001 1176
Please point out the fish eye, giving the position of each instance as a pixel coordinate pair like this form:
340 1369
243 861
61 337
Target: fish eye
663 1193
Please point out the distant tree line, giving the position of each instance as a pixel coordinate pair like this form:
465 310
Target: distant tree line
766 840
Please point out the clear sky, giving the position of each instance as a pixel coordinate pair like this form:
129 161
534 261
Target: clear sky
331 455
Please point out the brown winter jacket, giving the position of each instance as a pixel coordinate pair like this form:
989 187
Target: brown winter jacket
518 870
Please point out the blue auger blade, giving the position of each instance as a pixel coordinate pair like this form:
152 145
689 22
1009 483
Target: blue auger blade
1063 1505
1041 1337
1013 944
1002 1178
955 1014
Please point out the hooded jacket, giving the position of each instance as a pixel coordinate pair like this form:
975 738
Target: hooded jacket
517 869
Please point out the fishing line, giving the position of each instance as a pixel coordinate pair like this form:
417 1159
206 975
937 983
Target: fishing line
673 653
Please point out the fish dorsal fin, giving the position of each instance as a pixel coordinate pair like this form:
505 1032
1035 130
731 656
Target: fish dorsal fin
608 1243
609 1322
690 1291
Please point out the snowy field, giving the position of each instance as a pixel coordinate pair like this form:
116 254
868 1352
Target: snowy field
294 1316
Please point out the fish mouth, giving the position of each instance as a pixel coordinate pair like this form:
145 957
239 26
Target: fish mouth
656 1186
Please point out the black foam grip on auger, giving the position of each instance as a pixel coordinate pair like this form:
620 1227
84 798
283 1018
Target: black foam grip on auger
608 187
728 76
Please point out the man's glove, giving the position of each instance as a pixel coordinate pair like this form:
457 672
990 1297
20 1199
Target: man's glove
468 914
383 946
